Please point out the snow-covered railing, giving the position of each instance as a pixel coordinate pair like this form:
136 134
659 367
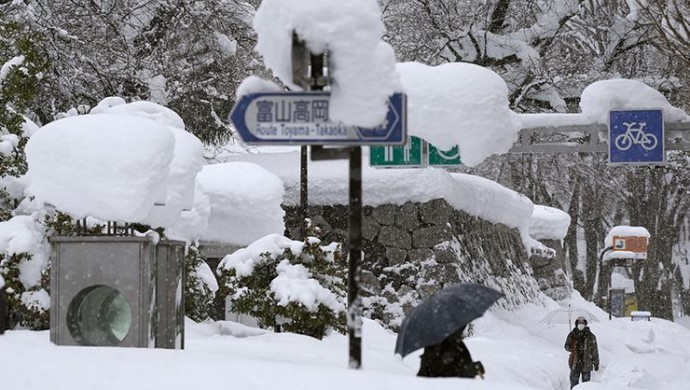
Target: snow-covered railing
588 138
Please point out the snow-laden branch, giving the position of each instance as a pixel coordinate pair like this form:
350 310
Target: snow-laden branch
7 67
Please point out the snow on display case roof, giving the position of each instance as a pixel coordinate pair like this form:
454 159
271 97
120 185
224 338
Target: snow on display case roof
625 231
116 163
632 248
362 66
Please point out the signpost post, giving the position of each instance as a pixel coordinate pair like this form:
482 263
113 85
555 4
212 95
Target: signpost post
626 244
302 118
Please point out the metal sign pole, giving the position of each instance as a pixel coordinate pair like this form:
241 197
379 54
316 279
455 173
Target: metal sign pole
299 77
354 311
316 82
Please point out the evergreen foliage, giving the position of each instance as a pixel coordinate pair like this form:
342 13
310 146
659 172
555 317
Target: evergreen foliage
22 66
252 294
22 63
198 297
25 309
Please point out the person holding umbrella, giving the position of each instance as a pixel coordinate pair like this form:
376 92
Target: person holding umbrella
437 325
584 353
450 358
3 306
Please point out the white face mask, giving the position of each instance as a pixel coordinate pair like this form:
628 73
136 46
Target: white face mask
580 326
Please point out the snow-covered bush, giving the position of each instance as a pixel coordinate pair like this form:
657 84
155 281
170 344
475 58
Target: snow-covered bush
28 307
297 285
200 286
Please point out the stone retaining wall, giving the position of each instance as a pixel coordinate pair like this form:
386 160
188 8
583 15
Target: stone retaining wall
412 250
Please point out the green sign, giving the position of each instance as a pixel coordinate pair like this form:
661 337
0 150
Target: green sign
408 155
415 153
439 157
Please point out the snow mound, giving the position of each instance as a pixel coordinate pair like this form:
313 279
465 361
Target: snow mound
459 104
245 202
125 162
186 163
254 84
112 167
622 94
23 234
144 109
191 224
548 223
244 260
362 66
328 185
295 284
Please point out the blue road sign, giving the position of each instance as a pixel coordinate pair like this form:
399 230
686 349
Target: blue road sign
302 118
636 137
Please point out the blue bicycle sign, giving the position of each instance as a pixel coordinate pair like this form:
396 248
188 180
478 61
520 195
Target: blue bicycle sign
636 137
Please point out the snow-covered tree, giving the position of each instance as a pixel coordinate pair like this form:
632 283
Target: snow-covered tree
297 286
670 19
188 55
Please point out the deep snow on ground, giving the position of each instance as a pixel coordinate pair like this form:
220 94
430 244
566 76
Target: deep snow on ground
517 350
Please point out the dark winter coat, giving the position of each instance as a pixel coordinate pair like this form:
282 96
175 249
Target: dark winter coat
584 353
449 358
3 310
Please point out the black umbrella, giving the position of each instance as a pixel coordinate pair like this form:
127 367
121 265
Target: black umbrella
442 314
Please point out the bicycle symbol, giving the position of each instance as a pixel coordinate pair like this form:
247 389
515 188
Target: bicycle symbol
636 136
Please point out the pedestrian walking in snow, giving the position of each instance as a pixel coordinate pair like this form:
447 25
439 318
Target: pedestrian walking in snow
584 353
449 358
3 309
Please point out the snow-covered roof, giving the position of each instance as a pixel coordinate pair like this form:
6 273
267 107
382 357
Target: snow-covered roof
625 231
459 104
362 66
548 223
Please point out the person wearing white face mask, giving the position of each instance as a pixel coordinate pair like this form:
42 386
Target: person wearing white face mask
584 353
